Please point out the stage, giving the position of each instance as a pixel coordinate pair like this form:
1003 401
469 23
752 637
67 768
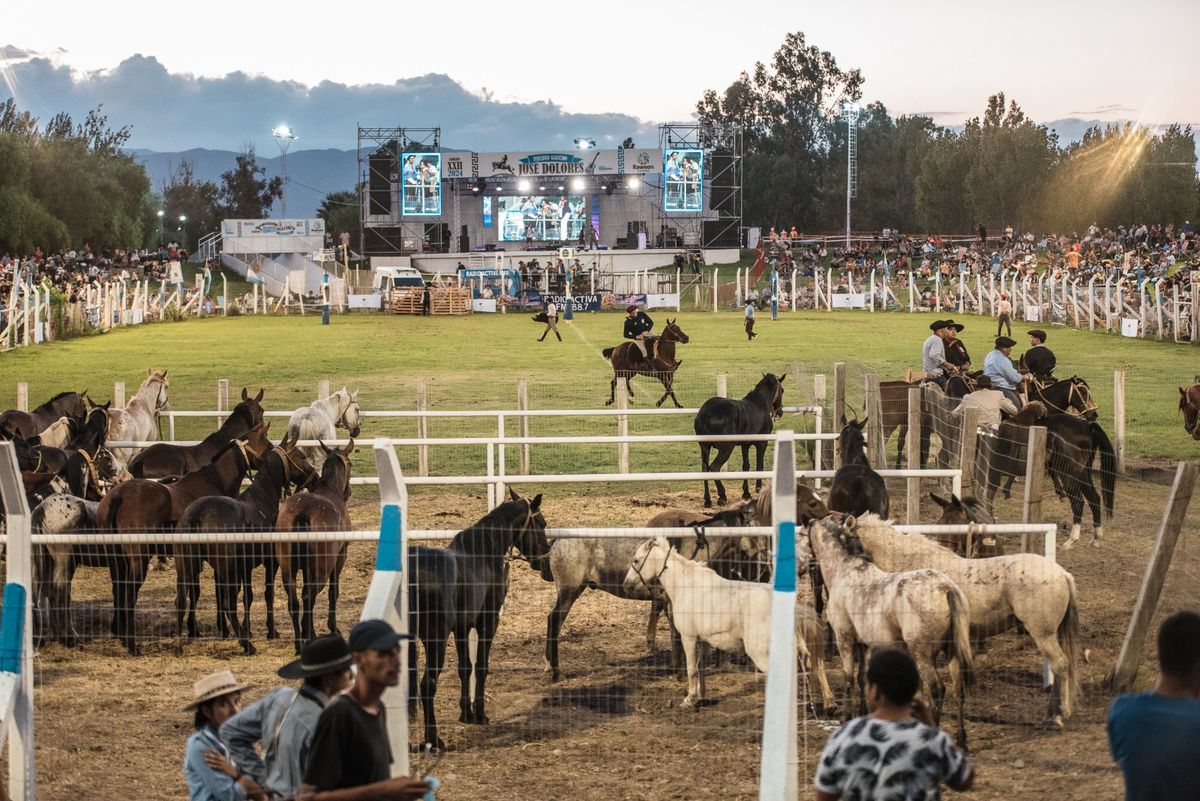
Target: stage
605 261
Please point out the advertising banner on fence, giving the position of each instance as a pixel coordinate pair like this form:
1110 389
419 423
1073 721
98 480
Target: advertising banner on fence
483 305
1129 326
851 300
662 301
579 303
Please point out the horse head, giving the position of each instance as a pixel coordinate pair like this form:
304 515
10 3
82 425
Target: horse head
349 417
1191 409
252 406
774 384
255 445
161 402
530 539
673 333
850 440
335 472
809 506
1080 399
649 562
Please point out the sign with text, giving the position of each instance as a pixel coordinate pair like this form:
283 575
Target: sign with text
579 303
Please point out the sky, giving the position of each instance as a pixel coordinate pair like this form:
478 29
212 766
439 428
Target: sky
602 64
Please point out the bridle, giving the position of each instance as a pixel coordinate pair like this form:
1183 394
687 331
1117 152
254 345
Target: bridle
1073 391
286 458
247 452
637 568
341 420
522 530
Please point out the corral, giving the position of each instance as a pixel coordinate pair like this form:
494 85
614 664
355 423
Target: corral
613 724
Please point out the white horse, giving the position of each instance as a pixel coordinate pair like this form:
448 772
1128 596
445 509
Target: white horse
139 419
1003 591
57 434
725 614
319 421
921 611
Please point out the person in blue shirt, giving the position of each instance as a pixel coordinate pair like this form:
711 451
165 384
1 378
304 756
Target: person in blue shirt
998 367
1155 736
207 768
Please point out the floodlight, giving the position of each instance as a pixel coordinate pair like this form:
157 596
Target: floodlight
634 182
584 143
524 185
577 184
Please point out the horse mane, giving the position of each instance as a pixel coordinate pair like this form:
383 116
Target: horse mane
1030 413
497 519
762 386
59 396
850 542
976 509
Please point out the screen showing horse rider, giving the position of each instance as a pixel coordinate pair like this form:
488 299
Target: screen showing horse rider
683 179
549 218
421 184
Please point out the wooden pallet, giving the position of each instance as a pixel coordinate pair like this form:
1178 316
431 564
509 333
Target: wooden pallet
441 301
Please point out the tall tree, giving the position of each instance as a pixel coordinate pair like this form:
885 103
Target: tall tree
341 212
245 191
194 200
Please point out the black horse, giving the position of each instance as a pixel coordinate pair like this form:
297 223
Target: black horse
461 588
856 488
1068 396
754 414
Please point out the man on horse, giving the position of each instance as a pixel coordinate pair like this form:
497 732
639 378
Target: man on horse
933 353
956 351
639 328
1039 360
999 368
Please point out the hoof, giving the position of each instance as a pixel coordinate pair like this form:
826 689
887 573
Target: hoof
248 649
608 403
1053 723
688 703
707 504
272 634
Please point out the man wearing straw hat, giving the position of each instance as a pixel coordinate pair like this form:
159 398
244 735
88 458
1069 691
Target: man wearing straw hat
283 721
209 773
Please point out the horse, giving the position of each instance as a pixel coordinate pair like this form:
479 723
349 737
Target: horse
322 508
30 424
964 511
626 361
1002 592
1068 396
725 614
60 433
1189 405
168 459
893 401
920 610
320 420
756 413
856 488
255 509
463 587
138 421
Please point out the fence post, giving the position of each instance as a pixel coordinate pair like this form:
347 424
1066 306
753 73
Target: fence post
820 401
23 396
323 390
523 424
874 412
968 440
422 430
118 398
1035 470
623 425
1156 573
1195 306
779 765
222 399
501 459
16 632
913 507
1119 418
839 405
722 385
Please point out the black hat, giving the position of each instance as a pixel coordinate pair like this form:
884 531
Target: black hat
328 654
954 325
1004 342
374 635
1037 332
938 325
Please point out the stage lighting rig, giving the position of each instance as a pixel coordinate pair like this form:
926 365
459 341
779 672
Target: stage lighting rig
584 143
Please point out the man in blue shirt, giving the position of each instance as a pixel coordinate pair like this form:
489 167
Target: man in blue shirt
998 367
1155 736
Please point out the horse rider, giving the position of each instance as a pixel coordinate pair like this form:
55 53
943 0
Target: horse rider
999 369
956 351
1039 360
639 328
933 353
990 402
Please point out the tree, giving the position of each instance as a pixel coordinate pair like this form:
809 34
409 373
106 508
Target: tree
1011 161
196 201
245 193
341 211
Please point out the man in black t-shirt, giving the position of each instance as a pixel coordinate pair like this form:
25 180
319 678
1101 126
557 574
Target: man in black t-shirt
350 746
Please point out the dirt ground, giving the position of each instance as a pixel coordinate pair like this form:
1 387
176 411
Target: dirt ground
110 726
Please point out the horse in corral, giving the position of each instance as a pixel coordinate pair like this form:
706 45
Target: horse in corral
321 418
165 459
856 488
893 401
60 433
463 587
756 413
1189 405
1002 592
30 424
143 505
722 613
919 610
233 563
138 421
89 439
809 507
322 508
965 511
1068 396
627 362
55 565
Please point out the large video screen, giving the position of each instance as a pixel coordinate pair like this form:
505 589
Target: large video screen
421 185
683 180
552 218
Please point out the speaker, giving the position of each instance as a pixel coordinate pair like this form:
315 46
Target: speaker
720 234
383 240
464 240
383 172
722 183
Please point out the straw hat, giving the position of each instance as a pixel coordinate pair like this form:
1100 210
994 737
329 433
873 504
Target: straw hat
213 686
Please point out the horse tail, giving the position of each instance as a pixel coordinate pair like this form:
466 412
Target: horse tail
959 637
1108 465
608 352
109 521
1068 637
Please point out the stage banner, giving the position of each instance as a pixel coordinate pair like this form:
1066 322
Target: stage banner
421 182
683 178
551 163
852 300
579 303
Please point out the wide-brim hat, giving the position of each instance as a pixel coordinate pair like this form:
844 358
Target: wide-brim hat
214 686
319 657
938 325
954 325
1005 342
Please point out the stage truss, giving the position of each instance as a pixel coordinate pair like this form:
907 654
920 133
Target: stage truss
385 231
720 222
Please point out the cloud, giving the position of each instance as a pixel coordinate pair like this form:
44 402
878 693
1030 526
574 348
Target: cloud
170 111
13 53
1112 108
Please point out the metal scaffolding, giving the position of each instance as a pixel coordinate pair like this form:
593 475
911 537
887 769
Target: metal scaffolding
385 230
719 221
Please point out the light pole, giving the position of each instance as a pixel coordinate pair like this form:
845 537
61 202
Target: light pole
284 136
161 213
850 111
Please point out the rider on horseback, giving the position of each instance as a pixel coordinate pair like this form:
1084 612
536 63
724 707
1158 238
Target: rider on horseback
933 352
1039 359
999 368
639 328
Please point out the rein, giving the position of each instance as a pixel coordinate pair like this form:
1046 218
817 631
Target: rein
638 568
91 466
524 528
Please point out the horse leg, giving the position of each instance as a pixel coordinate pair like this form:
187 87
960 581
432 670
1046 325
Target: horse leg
668 380
487 632
1058 707
629 384
1088 488
288 576
677 660
138 563
195 567
1008 486
724 451
435 659
270 568
746 469
704 468
860 660
901 433
693 680
849 674
612 391
554 622
181 568
931 684
335 581
314 582
60 598
761 449
243 582
1075 497
462 647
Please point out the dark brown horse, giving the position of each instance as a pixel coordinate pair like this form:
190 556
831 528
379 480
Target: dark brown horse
164 459
1189 404
961 512
30 424
322 508
1068 396
627 362
233 563
893 401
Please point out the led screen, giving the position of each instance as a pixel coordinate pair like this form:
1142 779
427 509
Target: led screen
550 218
421 185
683 179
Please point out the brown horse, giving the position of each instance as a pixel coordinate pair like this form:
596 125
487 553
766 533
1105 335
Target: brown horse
964 511
30 424
164 459
893 400
322 508
141 505
1189 404
627 362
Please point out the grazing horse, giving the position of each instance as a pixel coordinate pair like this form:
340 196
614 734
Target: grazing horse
256 509
30 424
856 488
724 614
919 610
463 587
1002 592
320 419
756 413
165 459
964 511
627 362
138 421
1189 404
1068 396
322 508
